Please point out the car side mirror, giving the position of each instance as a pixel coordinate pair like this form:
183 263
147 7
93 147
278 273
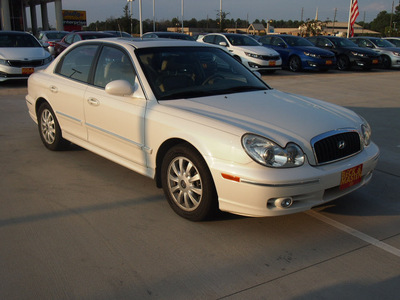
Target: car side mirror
258 74
327 45
223 44
119 88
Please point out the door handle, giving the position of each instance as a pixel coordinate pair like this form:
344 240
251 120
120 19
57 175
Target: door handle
93 101
53 89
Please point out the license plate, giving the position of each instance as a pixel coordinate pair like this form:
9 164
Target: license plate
351 177
26 71
272 63
375 61
328 62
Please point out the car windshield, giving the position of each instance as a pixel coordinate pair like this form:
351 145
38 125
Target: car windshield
242 40
343 43
297 41
190 72
18 40
382 43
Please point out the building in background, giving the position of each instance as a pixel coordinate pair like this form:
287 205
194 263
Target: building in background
13 15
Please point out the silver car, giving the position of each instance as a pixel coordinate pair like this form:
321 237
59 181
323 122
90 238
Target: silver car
21 54
390 53
51 38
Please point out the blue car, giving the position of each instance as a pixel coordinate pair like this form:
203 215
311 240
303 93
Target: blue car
298 53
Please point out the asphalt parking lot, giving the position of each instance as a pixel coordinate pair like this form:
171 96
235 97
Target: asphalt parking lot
76 226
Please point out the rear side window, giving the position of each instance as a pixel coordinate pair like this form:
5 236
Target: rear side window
209 39
76 64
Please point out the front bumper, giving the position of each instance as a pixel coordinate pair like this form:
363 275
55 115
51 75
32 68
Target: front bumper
8 72
255 188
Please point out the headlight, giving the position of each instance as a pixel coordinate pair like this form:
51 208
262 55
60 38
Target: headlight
253 55
270 154
47 60
396 53
4 62
312 54
358 54
366 132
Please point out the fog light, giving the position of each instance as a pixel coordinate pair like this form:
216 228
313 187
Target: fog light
283 202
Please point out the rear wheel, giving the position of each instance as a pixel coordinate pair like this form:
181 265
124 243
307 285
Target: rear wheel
187 184
295 64
49 129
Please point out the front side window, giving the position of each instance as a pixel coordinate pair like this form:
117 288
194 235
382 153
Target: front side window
113 64
76 63
68 39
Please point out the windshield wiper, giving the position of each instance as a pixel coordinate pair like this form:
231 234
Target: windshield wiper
243 88
186 94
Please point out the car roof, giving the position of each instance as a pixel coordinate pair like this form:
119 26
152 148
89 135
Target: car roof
14 32
140 43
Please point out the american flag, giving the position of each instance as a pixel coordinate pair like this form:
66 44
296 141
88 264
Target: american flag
353 16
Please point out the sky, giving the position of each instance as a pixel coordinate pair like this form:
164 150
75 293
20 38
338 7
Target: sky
100 10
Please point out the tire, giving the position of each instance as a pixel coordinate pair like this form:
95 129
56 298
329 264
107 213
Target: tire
386 62
295 64
49 129
343 63
188 184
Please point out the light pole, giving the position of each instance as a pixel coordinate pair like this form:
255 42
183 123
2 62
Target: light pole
154 16
130 13
182 18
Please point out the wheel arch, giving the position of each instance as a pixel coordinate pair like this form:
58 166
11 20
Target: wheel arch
39 102
164 148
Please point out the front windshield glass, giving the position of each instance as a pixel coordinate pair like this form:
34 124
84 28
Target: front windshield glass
190 72
241 40
18 40
343 43
297 41
382 43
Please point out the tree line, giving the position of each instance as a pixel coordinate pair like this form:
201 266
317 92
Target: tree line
387 24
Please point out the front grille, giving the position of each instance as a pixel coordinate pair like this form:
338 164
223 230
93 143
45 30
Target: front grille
327 56
337 146
270 57
26 64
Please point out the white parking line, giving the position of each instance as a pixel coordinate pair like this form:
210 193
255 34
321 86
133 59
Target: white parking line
356 233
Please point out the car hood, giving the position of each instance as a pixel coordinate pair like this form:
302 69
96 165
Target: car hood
361 50
279 116
30 53
315 50
256 49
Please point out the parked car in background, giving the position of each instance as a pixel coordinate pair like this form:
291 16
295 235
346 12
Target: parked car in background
246 50
394 40
209 131
390 54
74 37
299 54
51 38
21 54
347 53
168 35
118 33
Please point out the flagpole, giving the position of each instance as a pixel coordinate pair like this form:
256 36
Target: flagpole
348 24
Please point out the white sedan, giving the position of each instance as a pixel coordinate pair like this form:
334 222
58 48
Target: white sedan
209 132
21 54
246 50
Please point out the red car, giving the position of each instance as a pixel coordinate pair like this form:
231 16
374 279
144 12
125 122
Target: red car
73 37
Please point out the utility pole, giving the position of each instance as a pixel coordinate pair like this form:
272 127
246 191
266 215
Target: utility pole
182 18
302 13
130 14
391 19
334 20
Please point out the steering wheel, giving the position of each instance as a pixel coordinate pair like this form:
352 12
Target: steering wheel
212 77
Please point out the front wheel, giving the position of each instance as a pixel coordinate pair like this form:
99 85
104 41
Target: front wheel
187 184
295 64
386 62
49 129
343 63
